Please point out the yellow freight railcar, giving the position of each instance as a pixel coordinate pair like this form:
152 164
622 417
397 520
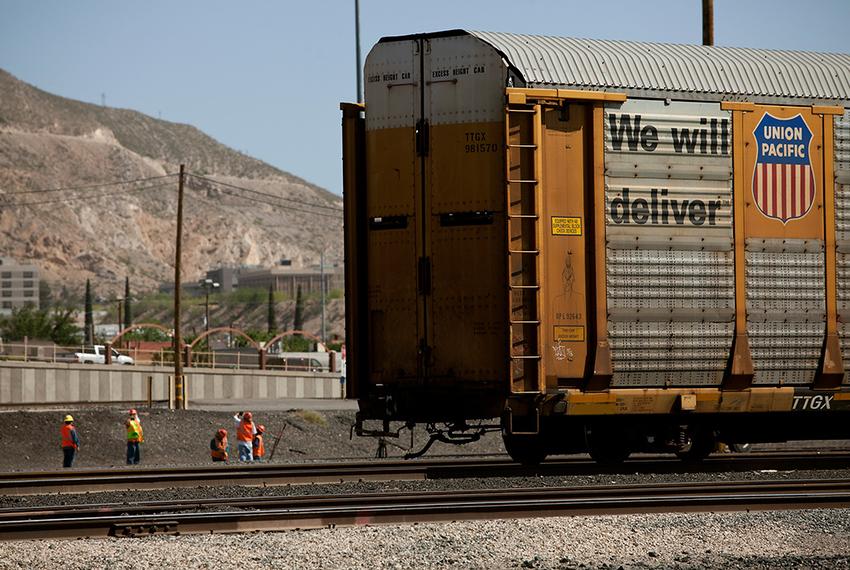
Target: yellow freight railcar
610 246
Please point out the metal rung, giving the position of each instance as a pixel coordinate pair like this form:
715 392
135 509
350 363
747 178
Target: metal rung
524 286
525 322
522 146
521 181
531 357
523 216
524 251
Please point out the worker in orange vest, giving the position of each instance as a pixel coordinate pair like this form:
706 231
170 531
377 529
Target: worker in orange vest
135 436
258 448
70 441
218 446
245 432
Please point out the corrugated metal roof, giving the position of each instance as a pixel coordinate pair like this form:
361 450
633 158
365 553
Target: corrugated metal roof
650 69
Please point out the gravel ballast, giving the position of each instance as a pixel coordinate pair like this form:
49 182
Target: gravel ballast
31 439
774 539
787 539
433 485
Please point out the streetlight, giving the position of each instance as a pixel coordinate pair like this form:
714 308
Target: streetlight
207 284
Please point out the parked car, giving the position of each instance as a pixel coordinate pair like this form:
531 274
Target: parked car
97 355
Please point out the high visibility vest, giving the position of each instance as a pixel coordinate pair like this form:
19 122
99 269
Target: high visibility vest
67 436
218 448
134 430
259 447
245 431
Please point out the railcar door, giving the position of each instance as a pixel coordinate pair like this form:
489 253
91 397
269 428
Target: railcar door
462 263
436 210
392 173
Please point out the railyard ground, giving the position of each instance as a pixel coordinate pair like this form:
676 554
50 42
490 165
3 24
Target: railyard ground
311 430
314 430
317 430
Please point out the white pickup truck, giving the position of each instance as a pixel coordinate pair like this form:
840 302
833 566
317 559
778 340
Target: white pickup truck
97 355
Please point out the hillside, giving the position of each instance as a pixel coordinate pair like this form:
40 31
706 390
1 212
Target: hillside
49 142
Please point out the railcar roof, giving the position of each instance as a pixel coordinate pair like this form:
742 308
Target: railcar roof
656 70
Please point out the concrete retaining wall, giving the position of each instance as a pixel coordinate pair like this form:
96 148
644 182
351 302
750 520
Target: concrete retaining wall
45 383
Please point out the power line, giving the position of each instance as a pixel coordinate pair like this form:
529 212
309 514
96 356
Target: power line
78 198
266 194
86 187
279 205
227 189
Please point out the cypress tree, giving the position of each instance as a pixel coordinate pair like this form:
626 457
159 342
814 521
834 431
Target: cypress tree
272 324
128 309
299 311
89 327
44 295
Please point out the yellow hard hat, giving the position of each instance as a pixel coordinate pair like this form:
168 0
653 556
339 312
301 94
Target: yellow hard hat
69 418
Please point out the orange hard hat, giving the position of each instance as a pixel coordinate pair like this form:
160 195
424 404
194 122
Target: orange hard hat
261 428
247 416
222 433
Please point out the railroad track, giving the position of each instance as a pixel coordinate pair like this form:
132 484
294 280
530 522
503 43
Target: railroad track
284 513
78 481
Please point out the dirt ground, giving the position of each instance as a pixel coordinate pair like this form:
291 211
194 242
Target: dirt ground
30 441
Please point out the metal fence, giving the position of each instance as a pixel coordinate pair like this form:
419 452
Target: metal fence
230 359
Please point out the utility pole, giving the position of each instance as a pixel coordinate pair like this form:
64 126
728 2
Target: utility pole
178 339
120 319
708 22
207 284
357 42
323 294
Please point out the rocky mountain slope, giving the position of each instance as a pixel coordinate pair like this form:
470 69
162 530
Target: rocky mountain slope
107 232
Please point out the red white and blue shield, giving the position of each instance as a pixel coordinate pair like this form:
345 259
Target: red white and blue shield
783 179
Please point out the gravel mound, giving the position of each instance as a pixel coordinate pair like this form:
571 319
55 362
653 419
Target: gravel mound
762 540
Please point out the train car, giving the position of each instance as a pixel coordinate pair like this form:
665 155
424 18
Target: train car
608 246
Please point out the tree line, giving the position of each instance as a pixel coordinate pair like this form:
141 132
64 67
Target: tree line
58 324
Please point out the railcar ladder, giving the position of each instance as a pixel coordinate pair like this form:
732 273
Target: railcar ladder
523 135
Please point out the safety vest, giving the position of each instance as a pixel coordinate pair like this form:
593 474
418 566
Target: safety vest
259 448
218 448
67 431
134 430
245 431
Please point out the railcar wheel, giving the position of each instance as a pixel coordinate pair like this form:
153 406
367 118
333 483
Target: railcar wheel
607 446
526 450
701 446
610 455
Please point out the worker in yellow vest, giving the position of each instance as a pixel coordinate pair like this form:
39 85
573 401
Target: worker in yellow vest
135 436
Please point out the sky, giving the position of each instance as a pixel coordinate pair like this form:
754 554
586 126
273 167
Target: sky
266 77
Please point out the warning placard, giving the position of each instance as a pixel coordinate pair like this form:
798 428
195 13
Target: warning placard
562 226
565 333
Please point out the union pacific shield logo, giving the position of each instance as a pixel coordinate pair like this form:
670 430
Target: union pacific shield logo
783 180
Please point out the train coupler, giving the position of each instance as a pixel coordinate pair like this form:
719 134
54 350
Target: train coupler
459 433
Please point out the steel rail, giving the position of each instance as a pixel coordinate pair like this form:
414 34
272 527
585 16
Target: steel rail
282 513
78 481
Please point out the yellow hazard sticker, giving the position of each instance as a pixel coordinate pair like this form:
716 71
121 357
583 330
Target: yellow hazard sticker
573 333
562 226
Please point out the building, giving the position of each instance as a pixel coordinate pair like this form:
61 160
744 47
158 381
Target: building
226 277
19 285
282 277
287 279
